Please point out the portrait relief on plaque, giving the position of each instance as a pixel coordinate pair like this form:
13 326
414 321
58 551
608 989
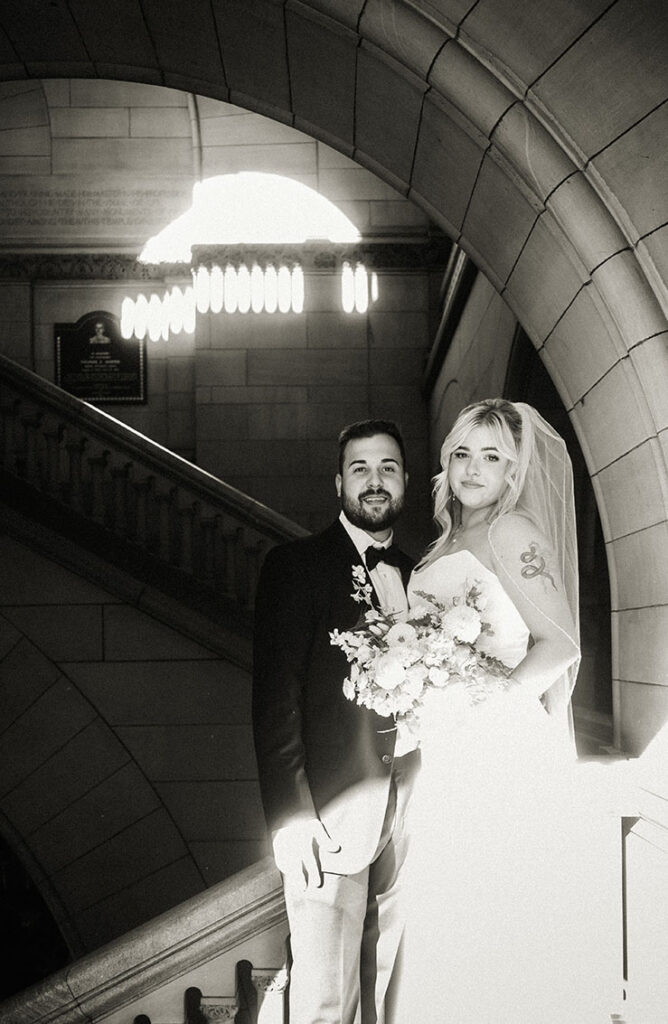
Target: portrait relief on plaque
95 363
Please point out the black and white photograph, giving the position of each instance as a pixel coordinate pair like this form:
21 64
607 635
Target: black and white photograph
334 511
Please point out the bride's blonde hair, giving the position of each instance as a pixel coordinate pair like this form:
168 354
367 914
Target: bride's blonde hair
505 423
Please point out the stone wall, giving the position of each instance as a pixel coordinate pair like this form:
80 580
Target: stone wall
256 399
126 755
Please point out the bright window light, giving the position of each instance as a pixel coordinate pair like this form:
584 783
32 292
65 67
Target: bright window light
154 317
347 288
216 293
176 310
164 318
189 310
361 289
230 289
297 283
203 289
127 317
141 317
253 208
270 289
284 290
257 288
244 288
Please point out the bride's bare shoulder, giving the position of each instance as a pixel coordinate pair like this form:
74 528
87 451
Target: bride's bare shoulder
512 531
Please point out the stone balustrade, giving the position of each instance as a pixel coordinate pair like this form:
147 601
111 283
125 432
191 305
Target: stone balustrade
131 489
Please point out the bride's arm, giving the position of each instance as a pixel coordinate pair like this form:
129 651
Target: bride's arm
526 568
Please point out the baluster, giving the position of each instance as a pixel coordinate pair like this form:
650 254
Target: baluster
199 1009
9 434
19 439
120 478
143 493
52 467
234 552
225 540
271 986
207 548
97 465
164 501
246 993
256 554
187 516
241 566
74 446
31 424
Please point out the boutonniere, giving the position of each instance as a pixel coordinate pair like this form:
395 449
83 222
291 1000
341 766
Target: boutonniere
362 589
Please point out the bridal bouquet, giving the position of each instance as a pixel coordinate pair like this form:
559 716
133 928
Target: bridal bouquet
396 663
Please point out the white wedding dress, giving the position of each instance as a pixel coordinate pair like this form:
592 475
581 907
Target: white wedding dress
509 908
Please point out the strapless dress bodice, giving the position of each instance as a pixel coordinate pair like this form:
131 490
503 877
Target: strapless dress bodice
450 577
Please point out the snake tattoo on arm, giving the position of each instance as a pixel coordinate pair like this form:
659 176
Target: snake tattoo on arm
535 565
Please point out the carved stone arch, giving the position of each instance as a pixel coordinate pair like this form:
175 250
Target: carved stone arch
478 113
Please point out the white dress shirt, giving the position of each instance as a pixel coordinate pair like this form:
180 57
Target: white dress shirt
385 578
392 596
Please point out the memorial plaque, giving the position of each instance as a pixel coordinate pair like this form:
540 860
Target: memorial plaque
95 363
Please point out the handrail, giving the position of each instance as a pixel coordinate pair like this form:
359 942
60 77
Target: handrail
138 445
115 482
176 942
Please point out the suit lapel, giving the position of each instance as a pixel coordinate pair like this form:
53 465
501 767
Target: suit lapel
343 556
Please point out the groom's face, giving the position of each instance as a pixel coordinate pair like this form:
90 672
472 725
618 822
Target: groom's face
372 482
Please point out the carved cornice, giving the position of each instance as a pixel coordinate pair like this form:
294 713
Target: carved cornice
430 254
83 267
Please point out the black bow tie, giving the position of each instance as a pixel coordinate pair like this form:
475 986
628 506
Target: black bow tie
374 555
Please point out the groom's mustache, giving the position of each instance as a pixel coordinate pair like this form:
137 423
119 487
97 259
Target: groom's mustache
379 492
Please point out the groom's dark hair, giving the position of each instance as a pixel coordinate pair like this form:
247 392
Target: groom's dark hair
369 428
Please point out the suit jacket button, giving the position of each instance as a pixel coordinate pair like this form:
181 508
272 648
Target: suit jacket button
386 758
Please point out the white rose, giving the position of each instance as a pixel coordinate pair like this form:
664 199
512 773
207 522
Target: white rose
414 683
401 633
462 622
438 676
389 672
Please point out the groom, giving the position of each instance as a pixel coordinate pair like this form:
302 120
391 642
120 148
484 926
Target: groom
333 792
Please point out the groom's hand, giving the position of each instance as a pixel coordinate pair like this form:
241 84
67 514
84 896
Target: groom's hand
297 849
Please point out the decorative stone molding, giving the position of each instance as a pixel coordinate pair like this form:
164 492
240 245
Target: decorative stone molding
270 981
131 967
219 1009
431 254
83 267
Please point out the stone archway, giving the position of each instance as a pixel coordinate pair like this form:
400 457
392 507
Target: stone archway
477 112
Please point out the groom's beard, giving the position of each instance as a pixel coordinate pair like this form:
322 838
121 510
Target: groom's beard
369 517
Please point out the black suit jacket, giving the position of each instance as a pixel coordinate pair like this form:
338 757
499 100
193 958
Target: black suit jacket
318 753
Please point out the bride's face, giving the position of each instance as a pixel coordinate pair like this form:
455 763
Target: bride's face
477 470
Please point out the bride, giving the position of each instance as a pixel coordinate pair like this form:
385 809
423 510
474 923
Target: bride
506 915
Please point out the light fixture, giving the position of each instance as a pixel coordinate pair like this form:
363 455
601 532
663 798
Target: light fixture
270 289
243 289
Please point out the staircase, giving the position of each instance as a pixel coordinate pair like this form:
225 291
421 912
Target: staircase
99 497
94 480
157 974
80 476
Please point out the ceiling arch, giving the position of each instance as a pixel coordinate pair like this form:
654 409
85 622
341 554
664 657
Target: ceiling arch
523 130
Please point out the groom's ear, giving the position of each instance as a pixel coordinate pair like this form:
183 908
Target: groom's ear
338 482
